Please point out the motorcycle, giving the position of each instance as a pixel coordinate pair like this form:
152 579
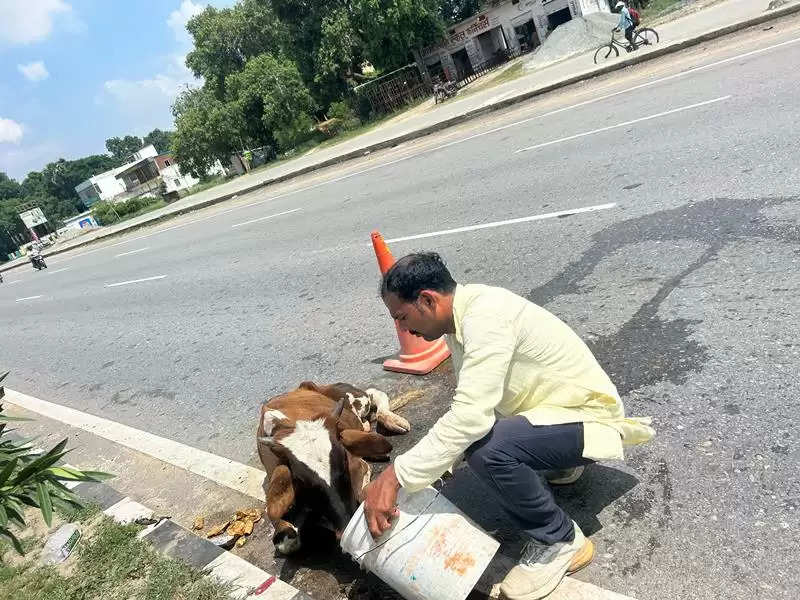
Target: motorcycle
443 91
37 260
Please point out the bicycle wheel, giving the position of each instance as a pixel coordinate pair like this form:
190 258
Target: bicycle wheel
604 53
645 37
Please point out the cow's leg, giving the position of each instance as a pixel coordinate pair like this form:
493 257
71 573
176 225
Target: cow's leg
280 498
383 414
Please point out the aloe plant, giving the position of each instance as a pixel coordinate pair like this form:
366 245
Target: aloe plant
32 478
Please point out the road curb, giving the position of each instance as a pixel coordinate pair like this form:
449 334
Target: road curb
447 123
247 581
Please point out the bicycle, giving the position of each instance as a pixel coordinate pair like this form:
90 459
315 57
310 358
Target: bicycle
646 36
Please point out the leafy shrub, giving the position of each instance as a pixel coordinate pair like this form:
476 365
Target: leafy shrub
295 132
28 478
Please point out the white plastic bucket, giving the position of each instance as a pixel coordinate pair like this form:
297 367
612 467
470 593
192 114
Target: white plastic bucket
432 552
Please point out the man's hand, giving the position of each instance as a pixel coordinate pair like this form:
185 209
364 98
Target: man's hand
380 502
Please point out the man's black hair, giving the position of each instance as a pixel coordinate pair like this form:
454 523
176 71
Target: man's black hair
416 272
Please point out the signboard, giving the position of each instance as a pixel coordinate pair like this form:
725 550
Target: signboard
33 217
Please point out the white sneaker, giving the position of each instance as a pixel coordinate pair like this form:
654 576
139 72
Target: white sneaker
541 568
563 476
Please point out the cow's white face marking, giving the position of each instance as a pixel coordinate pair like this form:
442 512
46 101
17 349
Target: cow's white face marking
271 417
362 411
310 443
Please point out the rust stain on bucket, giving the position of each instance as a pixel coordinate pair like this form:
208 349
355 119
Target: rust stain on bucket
460 563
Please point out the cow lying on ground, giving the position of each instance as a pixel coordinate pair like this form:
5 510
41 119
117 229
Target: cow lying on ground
312 442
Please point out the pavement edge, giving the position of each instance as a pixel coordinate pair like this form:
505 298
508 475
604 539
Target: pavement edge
457 120
247 581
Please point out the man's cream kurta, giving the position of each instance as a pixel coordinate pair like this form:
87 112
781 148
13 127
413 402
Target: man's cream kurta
512 357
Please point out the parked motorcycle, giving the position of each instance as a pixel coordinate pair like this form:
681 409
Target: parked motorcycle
37 260
443 91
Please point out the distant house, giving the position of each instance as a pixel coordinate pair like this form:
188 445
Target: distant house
103 186
142 174
139 174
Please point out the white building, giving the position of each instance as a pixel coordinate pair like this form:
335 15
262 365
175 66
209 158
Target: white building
104 186
508 25
141 175
113 184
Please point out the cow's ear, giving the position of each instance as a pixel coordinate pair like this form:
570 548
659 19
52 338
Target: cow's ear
362 443
308 385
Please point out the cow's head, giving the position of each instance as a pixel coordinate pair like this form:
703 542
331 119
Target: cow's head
321 475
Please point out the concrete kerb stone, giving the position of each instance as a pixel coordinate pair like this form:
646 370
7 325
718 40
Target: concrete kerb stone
447 123
245 580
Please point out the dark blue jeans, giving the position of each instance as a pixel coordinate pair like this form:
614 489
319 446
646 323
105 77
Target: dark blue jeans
507 460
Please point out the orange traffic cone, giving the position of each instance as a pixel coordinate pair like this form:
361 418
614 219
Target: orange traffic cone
416 356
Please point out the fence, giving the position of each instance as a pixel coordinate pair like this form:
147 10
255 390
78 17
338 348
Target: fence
394 90
487 66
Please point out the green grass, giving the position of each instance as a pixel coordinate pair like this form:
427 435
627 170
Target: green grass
510 74
658 8
112 564
205 185
151 207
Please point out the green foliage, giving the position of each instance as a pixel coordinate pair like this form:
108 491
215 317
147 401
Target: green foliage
9 188
271 89
294 132
32 479
107 213
225 39
391 29
345 117
122 148
160 139
206 129
111 563
453 11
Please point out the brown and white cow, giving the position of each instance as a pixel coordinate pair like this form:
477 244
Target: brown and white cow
312 442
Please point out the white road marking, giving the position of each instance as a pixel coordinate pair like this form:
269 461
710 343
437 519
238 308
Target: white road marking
624 124
133 252
231 474
286 212
626 90
109 285
28 298
551 215
15 281
59 270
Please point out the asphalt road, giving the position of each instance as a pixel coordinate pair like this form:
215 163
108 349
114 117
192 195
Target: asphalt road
686 289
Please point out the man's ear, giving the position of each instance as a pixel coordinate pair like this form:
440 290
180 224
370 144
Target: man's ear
362 443
427 300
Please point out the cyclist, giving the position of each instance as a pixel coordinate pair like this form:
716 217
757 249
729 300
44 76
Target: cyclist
625 23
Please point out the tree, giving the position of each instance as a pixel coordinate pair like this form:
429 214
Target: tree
162 140
225 39
453 11
271 90
391 29
122 148
9 188
206 129
325 44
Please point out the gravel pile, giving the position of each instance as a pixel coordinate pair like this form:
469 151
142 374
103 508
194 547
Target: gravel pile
577 36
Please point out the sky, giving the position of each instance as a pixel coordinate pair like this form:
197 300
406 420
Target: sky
76 72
